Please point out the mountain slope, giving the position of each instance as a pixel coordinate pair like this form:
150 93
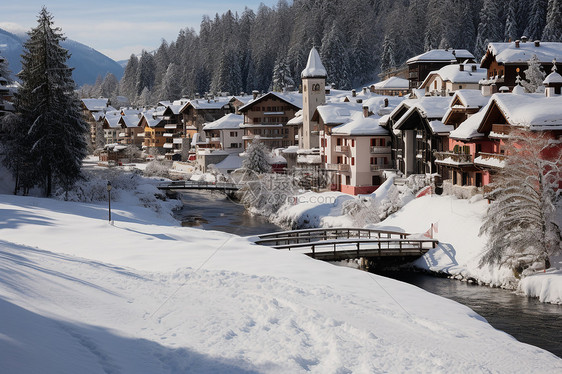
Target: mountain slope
88 63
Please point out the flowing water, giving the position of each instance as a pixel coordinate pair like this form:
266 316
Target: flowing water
526 319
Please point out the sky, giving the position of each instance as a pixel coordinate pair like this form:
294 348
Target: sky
119 28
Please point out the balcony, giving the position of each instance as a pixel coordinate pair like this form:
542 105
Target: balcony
215 139
342 148
501 130
178 141
381 167
490 160
379 150
338 167
168 145
453 158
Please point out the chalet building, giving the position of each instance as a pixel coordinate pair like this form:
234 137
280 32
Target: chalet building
130 131
174 133
455 164
224 134
393 86
358 152
266 118
154 130
420 66
111 128
92 111
417 132
482 136
505 61
197 112
450 78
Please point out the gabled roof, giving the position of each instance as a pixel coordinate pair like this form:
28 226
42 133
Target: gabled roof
130 120
442 55
112 121
314 67
393 83
469 128
173 109
229 121
337 113
294 99
95 105
453 74
428 107
361 126
206 104
470 98
508 53
151 121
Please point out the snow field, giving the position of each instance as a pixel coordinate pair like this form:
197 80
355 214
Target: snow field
144 296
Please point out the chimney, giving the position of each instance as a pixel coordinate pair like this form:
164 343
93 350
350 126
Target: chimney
461 67
524 39
517 43
537 43
365 111
353 93
255 94
365 90
385 102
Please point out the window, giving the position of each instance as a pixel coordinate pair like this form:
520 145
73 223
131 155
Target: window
338 141
353 161
373 142
234 133
382 142
353 142
373 160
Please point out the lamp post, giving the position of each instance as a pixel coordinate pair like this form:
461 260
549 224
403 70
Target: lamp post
109 198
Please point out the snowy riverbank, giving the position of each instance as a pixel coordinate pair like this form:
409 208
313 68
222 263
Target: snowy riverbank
458 223
147 296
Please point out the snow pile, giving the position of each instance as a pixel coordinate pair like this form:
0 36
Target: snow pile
145 296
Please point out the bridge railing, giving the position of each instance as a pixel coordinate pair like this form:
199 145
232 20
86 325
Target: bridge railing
198 185
314 235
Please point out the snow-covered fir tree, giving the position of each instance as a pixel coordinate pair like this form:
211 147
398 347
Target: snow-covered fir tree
388 60
553 28
490 28
534 76
170 88
145 73
282 75
53 132
511 31
4 69
537 19
520 221
128 83
145 98
257 158
335 57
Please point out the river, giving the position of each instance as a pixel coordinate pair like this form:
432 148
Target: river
526 319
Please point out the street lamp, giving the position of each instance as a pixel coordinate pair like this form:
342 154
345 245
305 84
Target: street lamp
109 198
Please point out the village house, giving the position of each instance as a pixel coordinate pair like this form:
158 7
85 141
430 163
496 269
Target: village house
417 131
450 78
482 136
197 112
92 111
420 66
266 118
505 61
393 86
359 152
130 130
153 126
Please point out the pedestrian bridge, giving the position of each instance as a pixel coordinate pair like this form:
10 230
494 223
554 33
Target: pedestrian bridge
197 185
334 244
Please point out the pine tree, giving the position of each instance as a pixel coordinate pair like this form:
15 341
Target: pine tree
52 129
110 86
145 73
4 70
128 83
170 88
256 158
511 27
553 29
520 221
388 60
490 28
534 76
335 58
282 75
537 19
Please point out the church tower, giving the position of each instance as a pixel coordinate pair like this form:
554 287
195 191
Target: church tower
313 94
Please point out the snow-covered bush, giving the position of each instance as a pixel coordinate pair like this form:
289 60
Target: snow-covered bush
264 194
157 168
125 186
363 211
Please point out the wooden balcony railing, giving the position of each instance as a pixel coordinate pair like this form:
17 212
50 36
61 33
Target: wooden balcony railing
461 158
379 149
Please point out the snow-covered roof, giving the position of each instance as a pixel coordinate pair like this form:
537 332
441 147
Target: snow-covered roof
293 98
454 74
376 104
533 111
442 55
506 53
438 127
471 98
393 83
553 77
429 107
152 121
468 129
175 108
361 126
314 67
229 121
95 105
231 162
297 119
112 121
131 120
338 113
